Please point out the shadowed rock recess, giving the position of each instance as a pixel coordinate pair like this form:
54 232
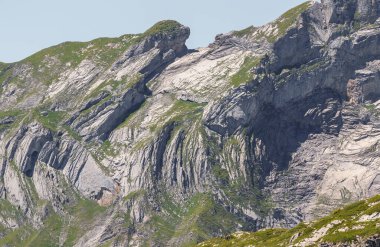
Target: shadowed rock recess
138 141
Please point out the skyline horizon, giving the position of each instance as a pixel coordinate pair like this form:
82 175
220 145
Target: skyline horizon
32 32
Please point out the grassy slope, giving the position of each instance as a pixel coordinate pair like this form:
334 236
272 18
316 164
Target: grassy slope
79 219
189 223
282 24
344 226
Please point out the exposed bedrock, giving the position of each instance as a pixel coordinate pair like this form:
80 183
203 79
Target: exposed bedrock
265 127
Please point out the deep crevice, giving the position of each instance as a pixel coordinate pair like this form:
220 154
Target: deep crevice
29 171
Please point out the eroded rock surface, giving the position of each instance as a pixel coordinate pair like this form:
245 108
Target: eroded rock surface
265 127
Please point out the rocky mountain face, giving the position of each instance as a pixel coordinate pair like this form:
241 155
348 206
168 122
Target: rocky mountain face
355 225
138 140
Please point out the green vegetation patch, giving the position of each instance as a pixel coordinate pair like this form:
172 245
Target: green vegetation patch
183 109
289 18
27 236
192 221
344 222
365 230
284 22
75 135
221 174
261 238
83 213
105 49
180 112
2 66
245 75
166 26
81 216
115 85
49 119
3 69
134 194
49 63
49 235
371 108
5 73
11 119
107 149
15 115
10 113
8 210
244 193
18 237
244 32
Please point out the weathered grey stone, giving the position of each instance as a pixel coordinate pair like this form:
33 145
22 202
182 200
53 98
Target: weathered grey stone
161 122
26 146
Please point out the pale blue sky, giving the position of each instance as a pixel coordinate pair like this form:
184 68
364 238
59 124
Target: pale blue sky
28 26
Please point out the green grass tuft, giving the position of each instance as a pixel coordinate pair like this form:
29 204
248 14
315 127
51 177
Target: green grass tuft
244 32
244 75
288 19
284 22
166 26
52 120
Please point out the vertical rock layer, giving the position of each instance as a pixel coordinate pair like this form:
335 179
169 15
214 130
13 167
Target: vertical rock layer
265 127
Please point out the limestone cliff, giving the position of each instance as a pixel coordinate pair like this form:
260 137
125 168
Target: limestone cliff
137 140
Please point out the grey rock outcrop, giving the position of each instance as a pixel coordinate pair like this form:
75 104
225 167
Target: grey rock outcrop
265 127
341 12
26 146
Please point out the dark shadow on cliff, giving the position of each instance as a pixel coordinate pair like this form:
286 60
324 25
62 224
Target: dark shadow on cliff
282 131
29 171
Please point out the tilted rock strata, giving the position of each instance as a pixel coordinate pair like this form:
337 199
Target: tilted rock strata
269 126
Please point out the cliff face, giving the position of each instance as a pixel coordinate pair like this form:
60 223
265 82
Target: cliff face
138 140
